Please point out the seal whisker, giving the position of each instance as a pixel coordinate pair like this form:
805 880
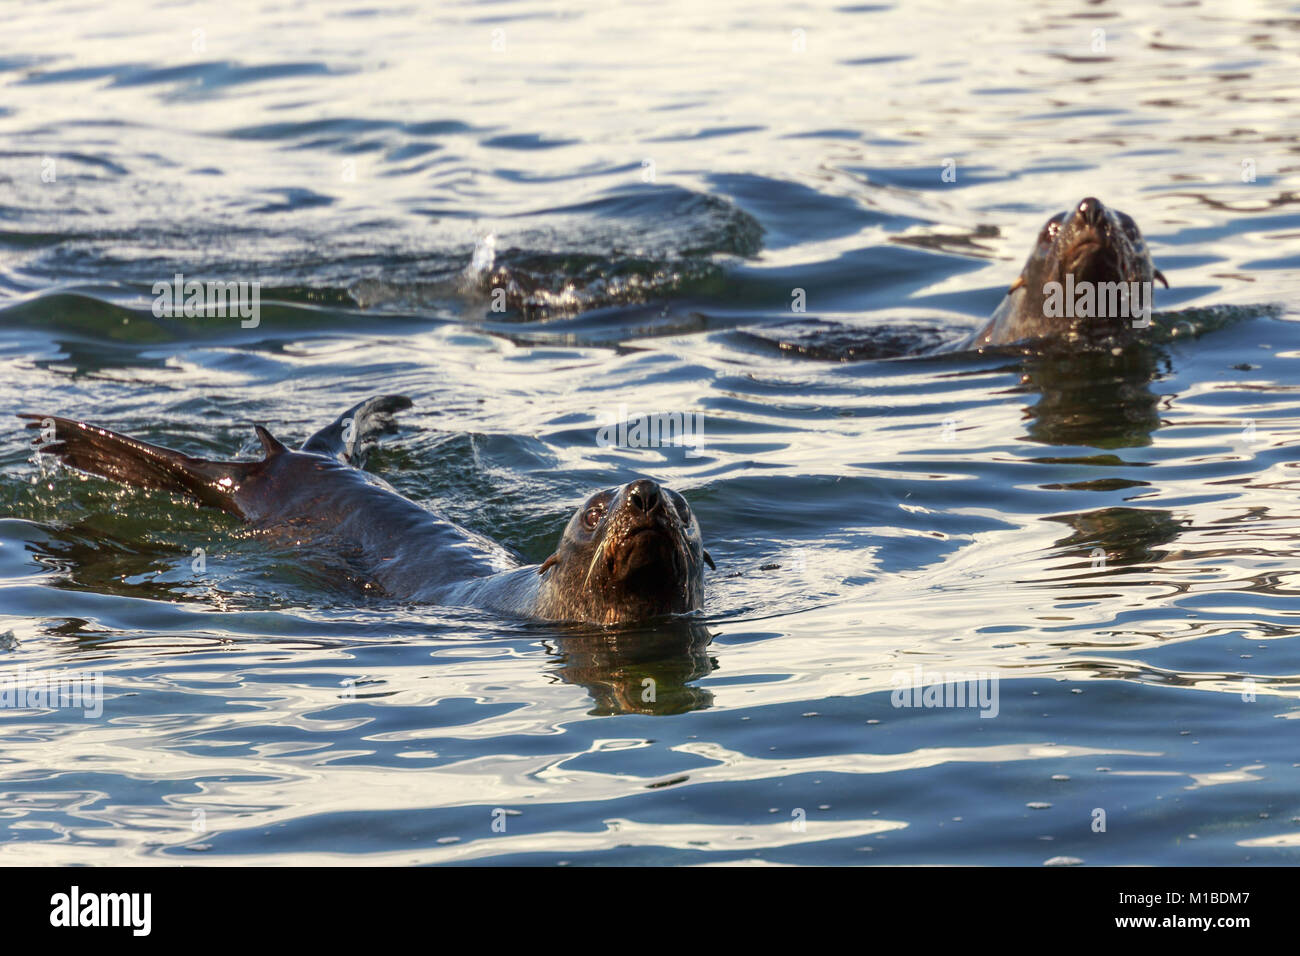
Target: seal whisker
681 549
600 553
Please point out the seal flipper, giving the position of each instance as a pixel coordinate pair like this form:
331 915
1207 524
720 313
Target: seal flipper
270 444
130 461
352 436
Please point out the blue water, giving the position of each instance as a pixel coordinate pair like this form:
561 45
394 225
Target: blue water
1108 541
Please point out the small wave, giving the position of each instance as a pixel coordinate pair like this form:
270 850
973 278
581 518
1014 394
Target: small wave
99 316
626 248
836 341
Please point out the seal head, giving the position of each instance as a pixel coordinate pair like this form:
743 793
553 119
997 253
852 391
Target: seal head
627 554
1088 280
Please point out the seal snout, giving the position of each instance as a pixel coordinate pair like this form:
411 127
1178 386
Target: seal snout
1092 211
1090 245
644 496
644 536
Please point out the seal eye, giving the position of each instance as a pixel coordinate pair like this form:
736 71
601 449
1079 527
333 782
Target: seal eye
591 517
683 511
1051 230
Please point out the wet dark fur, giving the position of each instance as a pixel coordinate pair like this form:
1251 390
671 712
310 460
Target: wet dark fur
629 553
1091 243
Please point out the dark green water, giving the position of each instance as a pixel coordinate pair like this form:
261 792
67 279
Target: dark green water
1111 540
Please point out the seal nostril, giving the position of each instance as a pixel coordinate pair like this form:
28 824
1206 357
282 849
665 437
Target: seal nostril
644 495
1092 210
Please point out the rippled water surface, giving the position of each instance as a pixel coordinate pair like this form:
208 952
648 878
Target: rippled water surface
1112 538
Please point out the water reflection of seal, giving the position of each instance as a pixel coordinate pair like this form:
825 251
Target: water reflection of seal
1087 248
629 553
647 669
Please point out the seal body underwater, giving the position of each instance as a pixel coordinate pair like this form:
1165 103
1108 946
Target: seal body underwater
1088 282
630 552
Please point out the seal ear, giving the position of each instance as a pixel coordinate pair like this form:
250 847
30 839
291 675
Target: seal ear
270 444
709 561
1161 276
1020 280
549 563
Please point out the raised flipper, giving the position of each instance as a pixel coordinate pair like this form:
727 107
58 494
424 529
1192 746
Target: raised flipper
355 433
130 461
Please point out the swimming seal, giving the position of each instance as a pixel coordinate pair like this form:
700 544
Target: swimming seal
1085 282
629 553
